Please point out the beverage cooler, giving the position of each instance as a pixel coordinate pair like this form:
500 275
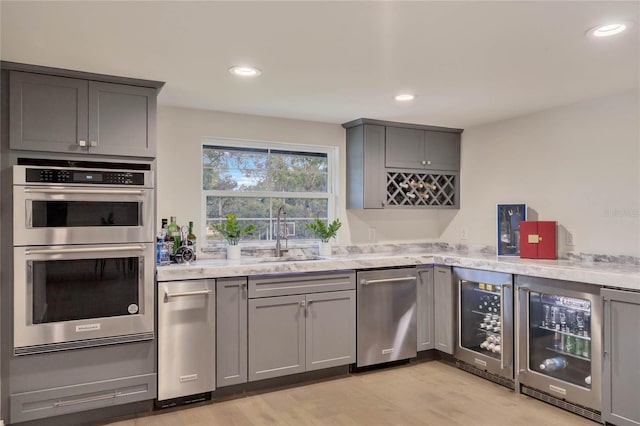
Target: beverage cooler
485 322
560 349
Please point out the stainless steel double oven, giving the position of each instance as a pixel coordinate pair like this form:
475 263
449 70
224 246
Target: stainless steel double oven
83 253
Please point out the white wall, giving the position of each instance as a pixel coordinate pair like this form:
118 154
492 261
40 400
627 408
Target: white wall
578 164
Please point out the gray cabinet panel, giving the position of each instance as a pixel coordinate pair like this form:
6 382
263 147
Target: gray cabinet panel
186 338
276 336
365 167
87 396
231 331
61 114
47 113
442 150
404 148
444 313
330 329
122 119
425 309
284 285
621 372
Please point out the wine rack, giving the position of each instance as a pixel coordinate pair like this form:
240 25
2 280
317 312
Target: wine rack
421 189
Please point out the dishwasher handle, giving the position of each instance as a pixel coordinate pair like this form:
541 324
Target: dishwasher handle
365 281
168 295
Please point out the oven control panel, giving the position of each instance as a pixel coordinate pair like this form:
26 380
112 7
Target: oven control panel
38 175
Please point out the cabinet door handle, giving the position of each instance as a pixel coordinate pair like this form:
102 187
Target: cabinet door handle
82 143
303 304
93 144
429 162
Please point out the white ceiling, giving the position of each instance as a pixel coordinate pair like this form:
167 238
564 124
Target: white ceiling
468 62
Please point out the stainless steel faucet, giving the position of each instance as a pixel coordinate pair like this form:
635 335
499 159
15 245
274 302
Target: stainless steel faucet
285 235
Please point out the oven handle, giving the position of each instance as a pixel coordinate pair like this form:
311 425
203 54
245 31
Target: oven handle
97 191
82 250
386 280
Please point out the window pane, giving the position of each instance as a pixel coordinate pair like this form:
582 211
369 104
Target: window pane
234 169
298 172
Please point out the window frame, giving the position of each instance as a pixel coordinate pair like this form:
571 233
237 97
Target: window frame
331 194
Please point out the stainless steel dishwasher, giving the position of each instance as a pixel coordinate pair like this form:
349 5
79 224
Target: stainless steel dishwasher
186 338
387 316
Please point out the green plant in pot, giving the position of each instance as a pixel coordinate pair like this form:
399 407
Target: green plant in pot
232 231
325 233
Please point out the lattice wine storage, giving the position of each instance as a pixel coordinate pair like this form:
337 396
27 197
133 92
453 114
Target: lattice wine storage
420 189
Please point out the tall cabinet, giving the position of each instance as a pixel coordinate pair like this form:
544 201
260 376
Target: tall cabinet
621 362
425 326
231 331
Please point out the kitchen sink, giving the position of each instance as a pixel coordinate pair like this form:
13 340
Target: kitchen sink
284 259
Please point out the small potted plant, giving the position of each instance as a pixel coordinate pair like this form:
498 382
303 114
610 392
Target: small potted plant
232 231
325 233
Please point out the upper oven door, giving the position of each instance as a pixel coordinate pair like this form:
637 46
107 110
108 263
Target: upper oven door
46 215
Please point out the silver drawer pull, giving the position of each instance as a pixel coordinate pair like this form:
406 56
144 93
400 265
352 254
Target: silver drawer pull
96 191
82 250
111 395
386 280
167 295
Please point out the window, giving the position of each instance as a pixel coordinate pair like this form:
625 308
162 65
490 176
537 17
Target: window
252 180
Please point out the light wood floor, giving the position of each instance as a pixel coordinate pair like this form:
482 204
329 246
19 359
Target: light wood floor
427 393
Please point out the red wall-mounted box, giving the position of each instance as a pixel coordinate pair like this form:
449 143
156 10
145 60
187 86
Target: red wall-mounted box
538 240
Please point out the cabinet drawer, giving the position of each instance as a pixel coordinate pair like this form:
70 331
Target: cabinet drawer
283 285
87 396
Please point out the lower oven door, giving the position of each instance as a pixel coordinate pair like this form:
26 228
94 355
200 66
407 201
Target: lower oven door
68 297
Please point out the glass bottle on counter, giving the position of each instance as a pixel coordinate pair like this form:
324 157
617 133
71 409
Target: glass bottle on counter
174 232
191 238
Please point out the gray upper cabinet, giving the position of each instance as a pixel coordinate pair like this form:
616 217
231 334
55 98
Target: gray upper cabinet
47 113
425 309
365 167
231 331
444 309
73 115
422 149
398 165
621 363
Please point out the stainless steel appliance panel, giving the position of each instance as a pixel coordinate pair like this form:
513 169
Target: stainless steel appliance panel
77 296
386 315
186 338
485 332
559 339
82 213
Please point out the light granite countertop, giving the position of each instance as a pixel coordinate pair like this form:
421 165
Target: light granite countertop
621 275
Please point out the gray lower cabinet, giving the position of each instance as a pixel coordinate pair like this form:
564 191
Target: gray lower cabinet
294 333
87 396
276 336
231 331
621 362
72 115
444 309
425 303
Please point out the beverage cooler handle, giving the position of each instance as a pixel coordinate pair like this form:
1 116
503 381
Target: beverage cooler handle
606 337
502 321
524 312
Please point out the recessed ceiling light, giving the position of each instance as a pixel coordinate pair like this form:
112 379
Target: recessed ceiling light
609 29
245 71
405 97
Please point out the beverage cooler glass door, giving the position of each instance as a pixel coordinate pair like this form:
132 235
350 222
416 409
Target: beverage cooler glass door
561 339
485 323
